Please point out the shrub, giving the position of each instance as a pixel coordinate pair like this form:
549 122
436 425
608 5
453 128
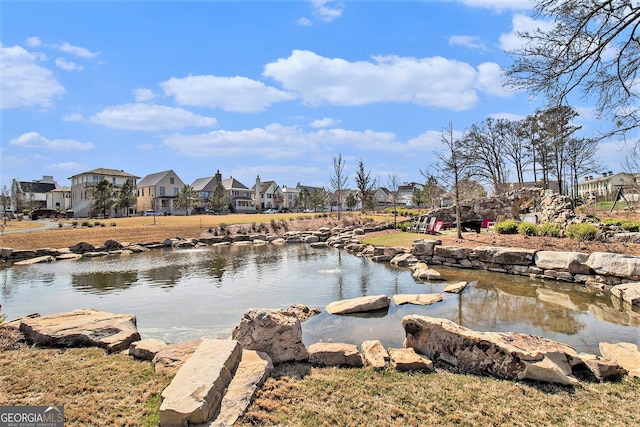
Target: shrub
113 224
611 221
630 225
508 226
549 229
85 224
528 229
582 232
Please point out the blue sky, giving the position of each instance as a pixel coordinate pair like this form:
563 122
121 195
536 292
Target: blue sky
269 88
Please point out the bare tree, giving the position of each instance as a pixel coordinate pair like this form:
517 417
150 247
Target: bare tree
581 160
590 47
393 182
432 191
338 181
453 166
485 147
364 184
515 148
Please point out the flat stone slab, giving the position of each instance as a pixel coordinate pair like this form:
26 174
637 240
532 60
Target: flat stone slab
83 328
253 370
374 355
455 288
629 292
417 299
195 393
36 260
168 360
624 354
359 305
146 349
68 257
406 359
423 272
334 354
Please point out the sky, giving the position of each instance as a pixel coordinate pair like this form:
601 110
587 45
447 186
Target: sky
277 89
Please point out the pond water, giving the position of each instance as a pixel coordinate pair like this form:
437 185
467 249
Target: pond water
178 295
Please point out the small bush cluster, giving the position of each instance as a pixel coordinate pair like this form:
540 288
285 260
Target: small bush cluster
632 226
549 229
508 226
527 229
582 232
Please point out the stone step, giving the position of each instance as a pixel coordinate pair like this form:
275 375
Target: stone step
195 393
253 370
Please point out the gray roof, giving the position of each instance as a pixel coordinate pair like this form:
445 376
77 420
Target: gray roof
153 179
231 183
204 184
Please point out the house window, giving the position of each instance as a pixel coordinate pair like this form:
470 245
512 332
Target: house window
162 191
142 192
171 180
113 180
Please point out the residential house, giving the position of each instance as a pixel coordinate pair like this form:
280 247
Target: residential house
309 190
382 196
83 183
240 199
267 195
405 192
606 187
290 195
29 195
204 188
158 191
59 199
344 194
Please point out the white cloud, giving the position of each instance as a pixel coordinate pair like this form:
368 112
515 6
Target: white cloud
326 13
68 66
500 5
35 140
78 51
305 22
434 82
73 117
472 42
34 41
24 83
65 166
277 141
521 24
147 117
238 94
491 79
143 95
323 123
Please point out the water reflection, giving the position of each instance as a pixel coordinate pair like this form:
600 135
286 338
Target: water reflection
207 290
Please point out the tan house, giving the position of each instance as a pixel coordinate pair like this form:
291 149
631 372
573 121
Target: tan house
59 199
158 191
290 195
204 188
605 187
267 195
82 187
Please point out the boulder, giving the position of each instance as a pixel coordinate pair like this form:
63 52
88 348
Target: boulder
601 368
359 305
196 391
82 328
610 264
275 332
82 247
404 260
334 354
253 370
624 354
112 245
416 299
629 292
374 355
406 359
455 288
423 272
303 312
572 262
422 247
506 256
507 355
146 349
168 360
453 252
5 253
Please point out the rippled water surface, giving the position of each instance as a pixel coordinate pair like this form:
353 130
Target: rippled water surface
183 294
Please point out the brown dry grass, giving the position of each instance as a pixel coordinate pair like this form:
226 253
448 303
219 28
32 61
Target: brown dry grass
298 396
96 389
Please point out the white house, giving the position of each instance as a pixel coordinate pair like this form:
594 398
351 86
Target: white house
605 186
267 195
158 192
59 199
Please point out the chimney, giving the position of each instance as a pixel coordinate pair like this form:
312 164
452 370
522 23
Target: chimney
610 173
